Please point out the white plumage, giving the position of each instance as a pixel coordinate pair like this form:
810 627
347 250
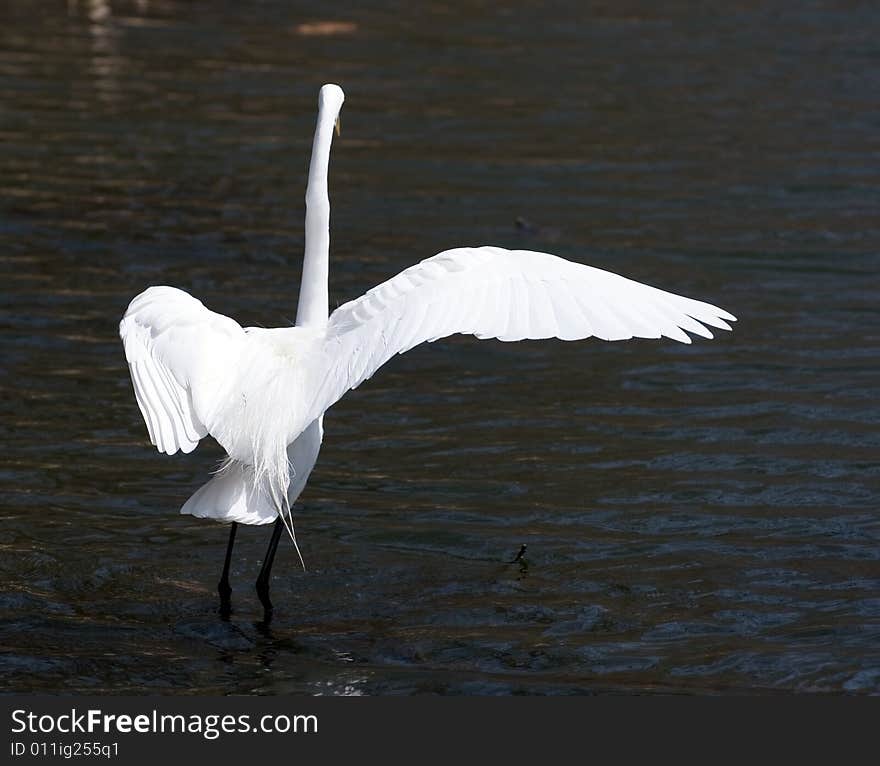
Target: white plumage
262 393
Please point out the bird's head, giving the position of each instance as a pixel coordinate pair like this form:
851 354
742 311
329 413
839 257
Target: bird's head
330 101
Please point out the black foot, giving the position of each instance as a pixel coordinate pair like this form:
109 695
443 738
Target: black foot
223 587
263 595
266 570
225 591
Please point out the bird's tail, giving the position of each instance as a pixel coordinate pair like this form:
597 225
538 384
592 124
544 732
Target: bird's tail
232 495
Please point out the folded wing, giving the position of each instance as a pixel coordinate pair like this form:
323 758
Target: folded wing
491 292
180 356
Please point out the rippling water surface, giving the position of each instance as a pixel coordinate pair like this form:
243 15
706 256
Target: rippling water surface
698 519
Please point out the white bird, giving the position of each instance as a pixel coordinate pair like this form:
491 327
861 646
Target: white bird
262 393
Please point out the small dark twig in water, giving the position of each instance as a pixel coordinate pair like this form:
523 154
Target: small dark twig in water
518 557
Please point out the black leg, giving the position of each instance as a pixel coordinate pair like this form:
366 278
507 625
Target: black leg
223 587
266 569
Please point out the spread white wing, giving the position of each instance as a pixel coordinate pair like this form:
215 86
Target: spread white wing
180 354
491 292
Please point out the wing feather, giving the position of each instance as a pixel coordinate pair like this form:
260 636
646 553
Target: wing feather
495 293
179 354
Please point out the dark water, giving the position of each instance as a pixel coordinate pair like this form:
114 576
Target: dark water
699 519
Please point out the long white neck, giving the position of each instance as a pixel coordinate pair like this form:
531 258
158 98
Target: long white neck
313 306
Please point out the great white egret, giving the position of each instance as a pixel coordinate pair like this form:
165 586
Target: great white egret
262 393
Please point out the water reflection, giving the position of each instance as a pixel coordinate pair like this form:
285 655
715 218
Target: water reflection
105 64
